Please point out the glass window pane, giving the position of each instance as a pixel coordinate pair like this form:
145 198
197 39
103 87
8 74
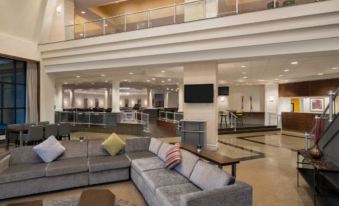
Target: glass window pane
9 95
20 96
20 72
20 115
8 116
6 70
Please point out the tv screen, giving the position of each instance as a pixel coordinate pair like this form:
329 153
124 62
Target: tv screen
223 91
198 93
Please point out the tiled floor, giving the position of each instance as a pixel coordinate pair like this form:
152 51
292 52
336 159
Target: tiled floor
268 164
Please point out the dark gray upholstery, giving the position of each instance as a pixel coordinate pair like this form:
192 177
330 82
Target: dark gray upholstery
67 166
137 144
24 155
139 155
74 149
146 164
23 172
101 163
170 195
95 148
162 177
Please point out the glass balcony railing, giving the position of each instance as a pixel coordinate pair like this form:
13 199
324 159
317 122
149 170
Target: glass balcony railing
173 14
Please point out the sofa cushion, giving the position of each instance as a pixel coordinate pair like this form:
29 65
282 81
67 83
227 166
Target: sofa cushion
49 150
162 177
102 163
146 164
113 144
163 150
154 146
188 161
67 166
24 155
21 172
139 155
95 148
209 177
4 163
74 149
137 144
170 195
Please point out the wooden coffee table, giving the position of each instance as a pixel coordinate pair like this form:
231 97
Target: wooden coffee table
97 197
213 156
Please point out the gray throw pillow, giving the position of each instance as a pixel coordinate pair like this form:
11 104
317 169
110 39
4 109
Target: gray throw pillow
49 150
209 177
154 146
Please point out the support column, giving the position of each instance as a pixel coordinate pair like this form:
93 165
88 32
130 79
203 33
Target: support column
106 99
166 96
271 103
181 97
203 73
71 98
116 96
59 97
47 104
149 98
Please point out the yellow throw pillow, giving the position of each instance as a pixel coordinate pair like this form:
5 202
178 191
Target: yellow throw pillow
113 144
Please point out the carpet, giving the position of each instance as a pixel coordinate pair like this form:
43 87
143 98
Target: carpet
73 201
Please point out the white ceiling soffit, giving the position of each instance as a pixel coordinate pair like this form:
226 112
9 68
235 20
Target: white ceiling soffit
91 3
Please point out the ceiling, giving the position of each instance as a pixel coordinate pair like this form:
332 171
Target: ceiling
256 71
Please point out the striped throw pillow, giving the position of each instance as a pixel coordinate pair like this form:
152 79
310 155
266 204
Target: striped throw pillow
173 156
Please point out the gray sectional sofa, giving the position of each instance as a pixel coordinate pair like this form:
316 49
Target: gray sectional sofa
192 183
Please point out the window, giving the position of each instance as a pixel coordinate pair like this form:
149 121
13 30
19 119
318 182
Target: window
12 92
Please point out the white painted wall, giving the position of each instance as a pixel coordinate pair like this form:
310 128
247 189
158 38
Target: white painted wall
133 99
203 73
233 101
271 103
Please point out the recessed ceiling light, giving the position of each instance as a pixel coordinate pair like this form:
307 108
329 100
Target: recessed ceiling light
163 71
167 89
243 66
65 82
153 79
125 80
83 12
77 76
276 79
131 73
320 74
169 80
222 82
102 75
162 81
244 72
280 75
294 62
81 34
261 80
334 68
172 89
148 80
244 77
106 81
286 70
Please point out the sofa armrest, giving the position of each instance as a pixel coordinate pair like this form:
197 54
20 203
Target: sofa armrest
238 194
137 144
4 161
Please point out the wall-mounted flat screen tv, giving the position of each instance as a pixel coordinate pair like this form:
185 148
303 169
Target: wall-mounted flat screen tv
223 91
198 93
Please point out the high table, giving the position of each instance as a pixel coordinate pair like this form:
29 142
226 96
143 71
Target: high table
213 156
19 129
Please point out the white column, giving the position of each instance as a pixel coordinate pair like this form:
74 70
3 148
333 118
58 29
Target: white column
149 98
181 97
59 97
71 98
166 96
271 103
47 104
116 96
203 73
106 98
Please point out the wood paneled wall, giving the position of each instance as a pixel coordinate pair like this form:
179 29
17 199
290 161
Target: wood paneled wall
309 88
298 122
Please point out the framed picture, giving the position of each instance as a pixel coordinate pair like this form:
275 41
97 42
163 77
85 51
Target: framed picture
317 104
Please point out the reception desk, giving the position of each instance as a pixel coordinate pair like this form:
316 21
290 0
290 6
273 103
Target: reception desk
297 122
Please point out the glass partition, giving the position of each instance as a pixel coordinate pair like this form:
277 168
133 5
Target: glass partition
94 28
254 5
162 16
137 21
115 25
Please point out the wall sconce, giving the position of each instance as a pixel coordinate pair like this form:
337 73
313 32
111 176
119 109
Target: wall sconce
271 98
59 9
222 98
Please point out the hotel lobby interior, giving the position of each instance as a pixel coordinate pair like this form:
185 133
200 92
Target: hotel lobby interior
169 102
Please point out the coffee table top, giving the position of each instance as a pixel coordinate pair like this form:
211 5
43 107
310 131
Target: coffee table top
211 156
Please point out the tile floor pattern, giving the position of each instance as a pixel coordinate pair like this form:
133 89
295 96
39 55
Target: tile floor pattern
272 176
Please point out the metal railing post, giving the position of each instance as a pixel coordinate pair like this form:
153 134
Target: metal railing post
84 30
274 3
175 14
104 26
148 19
237 6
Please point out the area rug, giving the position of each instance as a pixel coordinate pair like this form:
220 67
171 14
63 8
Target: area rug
73 201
